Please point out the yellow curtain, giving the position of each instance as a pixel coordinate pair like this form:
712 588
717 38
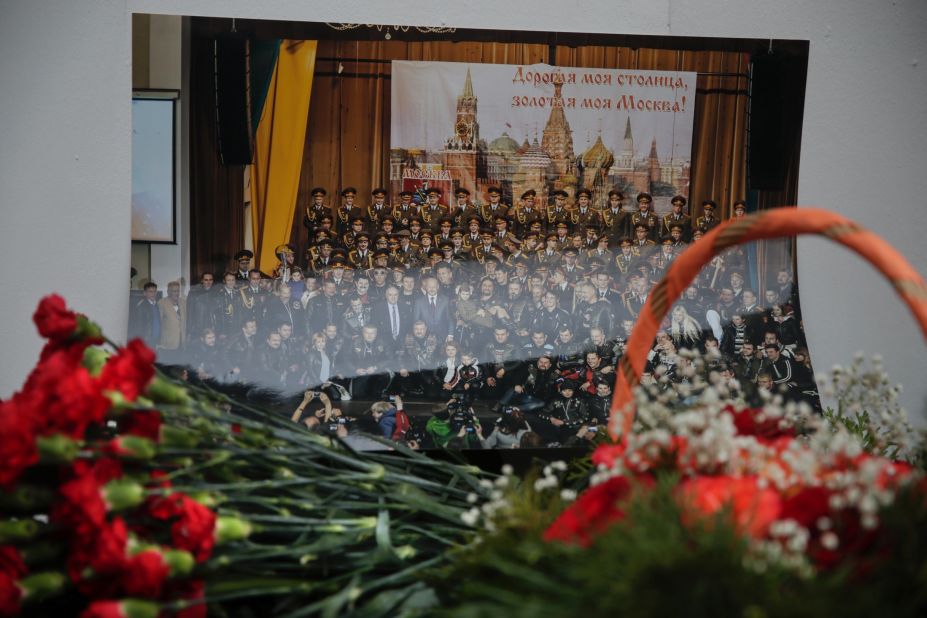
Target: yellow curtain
278 150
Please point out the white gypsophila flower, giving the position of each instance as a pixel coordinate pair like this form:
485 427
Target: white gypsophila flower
567 495
472 498
559 465
830 541
508 470
471 516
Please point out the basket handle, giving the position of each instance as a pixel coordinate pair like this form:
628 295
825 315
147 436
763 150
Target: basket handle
781 222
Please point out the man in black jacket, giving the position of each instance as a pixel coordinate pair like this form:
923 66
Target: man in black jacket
369 359
563 417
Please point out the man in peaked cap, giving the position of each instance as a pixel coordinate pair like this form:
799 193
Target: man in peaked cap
740 209
679 217
349 238
465 208
584 214
316 209
501 226
525 213
433 211
614 216
484 249
243 258
445 225
558 211
348 210
405 209
494 206
708 220
472 235
320 261
378 209
645 215
361 256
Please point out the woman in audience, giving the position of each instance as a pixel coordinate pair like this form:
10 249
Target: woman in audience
685 330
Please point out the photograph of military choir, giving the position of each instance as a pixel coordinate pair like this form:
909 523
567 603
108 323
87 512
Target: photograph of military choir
523 309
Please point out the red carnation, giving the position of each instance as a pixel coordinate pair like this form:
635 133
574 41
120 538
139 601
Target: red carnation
10 595
163 508
746 422
129 370
593 512
104 469
807 506
753 508
54 320
194 528
60 396
144 574
192 590
144 423
12 569
607 454
18 443
104 609
82 508
103 551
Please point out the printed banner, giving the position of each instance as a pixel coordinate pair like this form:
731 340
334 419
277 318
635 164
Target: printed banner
516 127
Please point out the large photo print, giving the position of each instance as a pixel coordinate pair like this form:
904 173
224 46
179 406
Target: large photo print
447 244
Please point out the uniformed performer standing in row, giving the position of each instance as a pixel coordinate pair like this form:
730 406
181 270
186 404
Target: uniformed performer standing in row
348 210
433 211
525 213
316 210
584 215
614 217
378 209
558 211
494 207
645 215
466 208
708 220
405 209
678 217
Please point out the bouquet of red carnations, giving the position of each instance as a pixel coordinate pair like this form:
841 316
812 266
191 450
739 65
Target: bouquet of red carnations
83 508
125 493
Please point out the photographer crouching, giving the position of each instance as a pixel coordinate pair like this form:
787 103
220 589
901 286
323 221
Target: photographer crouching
454 426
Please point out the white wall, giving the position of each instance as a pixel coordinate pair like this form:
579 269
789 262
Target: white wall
64 156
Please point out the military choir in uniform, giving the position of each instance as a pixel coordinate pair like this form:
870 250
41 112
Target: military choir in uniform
389 282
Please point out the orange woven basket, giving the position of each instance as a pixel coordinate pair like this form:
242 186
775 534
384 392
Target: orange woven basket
777 223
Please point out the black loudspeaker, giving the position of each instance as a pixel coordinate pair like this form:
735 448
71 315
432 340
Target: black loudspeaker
772 93
233 102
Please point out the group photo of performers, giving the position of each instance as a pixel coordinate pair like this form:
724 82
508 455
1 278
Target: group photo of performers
520 312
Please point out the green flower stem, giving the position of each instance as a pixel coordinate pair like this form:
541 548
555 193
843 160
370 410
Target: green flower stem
38 586
18 530
57 448
26 498
403 576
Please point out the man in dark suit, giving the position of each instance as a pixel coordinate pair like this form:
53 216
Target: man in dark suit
326 308
145 322
392 319
434 310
